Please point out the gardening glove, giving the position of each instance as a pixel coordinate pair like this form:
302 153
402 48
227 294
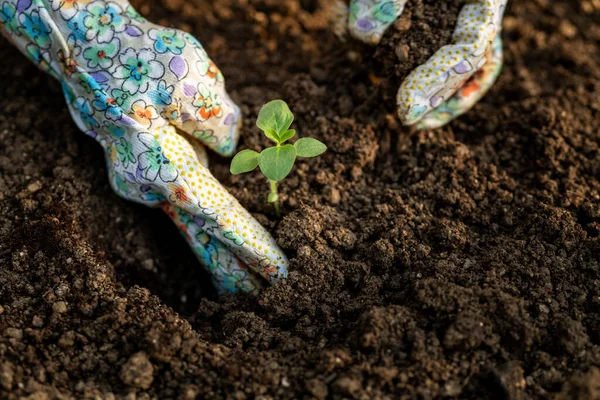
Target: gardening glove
153 99
456 77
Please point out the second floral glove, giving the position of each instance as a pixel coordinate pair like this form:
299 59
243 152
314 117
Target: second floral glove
456 77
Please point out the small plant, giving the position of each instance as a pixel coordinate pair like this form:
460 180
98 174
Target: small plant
275 119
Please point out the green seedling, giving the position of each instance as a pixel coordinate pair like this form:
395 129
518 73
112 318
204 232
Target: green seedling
275 119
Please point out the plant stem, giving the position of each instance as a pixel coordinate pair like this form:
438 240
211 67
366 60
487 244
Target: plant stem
274 198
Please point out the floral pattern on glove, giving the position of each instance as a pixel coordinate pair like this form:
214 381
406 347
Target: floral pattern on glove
435 85
152 98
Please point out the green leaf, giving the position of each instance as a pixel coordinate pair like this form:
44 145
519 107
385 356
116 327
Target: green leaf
287 135
274 136
244 161
277 162
309 147
275 116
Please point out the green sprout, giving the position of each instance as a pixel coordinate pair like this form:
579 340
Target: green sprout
275 119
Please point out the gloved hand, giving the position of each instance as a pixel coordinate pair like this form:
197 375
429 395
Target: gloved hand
152 98
456 77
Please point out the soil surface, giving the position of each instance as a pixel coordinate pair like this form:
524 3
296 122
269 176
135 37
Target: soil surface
456 263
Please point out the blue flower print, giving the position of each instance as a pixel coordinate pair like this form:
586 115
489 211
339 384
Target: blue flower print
68 92
385 12
233 281
86 113
77 27
104 20
206 250
137 69
121 185
89 83
40 58
122 98
35 54
108 105
8 17
114 129
151 195
153 163
162 94
33 26
133 15
166 40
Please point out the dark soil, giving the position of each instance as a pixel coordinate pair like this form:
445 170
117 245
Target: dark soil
461 262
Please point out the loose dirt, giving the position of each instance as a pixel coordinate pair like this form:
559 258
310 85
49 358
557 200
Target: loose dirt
456 263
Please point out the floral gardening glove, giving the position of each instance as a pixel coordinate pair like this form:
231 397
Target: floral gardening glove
456 77
153 99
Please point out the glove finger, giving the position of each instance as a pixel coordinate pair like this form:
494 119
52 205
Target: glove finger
228 273
469 93
202 196
369 19
434 82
